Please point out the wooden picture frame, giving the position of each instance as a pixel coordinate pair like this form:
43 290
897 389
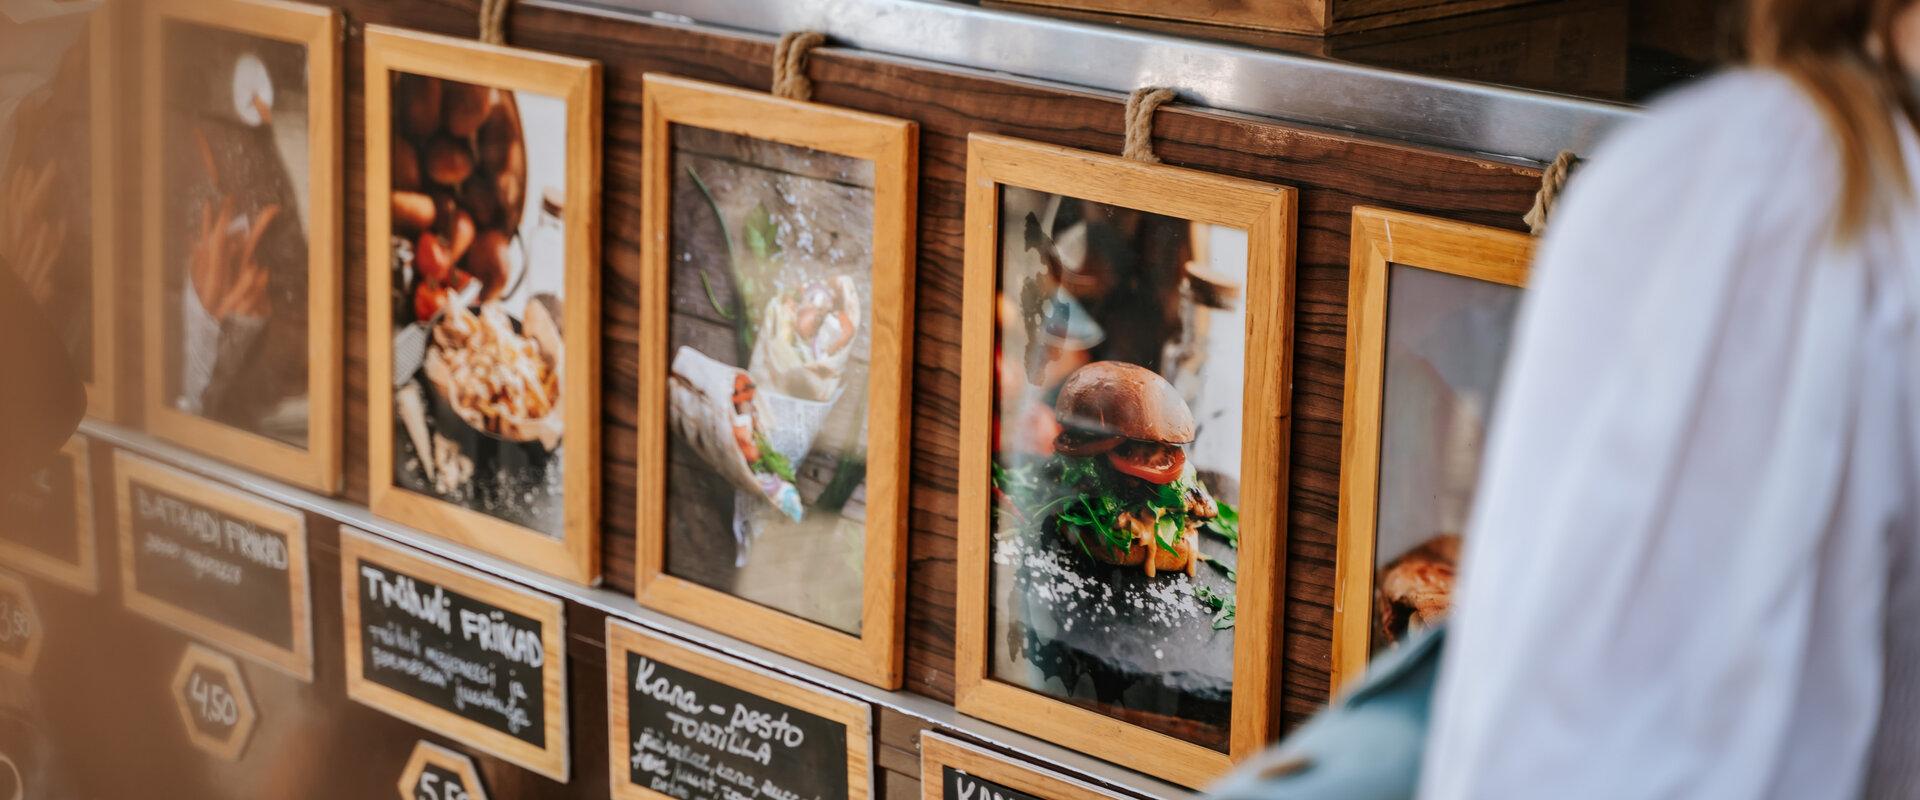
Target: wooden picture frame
297 660
317 466
554 759
83 573
624 639
1266 213
1382 238
103 391
939 752
575 553
875 653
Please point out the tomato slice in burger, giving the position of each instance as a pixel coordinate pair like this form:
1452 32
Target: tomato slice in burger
1148 461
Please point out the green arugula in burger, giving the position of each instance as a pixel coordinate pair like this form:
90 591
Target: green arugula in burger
1119 484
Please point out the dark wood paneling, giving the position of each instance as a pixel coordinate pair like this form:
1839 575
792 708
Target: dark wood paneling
1334 172
312 738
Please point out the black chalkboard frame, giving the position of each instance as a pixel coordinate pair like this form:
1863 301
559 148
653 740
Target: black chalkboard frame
297 660
426 754
552 760
626 640
938 752
83 572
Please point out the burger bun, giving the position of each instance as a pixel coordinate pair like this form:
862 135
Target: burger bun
1116 398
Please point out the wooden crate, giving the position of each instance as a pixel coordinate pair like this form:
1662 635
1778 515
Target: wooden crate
1316 17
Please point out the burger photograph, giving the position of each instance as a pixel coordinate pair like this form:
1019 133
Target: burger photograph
1446 343
1118 438
1429 323
770 342
482 188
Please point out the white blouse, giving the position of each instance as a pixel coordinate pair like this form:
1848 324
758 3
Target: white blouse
1692 570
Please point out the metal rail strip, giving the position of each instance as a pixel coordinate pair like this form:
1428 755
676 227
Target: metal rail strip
622 606
1436 112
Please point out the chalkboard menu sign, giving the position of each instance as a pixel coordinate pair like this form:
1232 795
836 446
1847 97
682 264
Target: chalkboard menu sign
690 726
954 770
436 773
20 633
214 703
215 562
957 785
467 656
46 521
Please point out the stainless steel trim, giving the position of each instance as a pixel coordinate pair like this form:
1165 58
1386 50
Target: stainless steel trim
1455 115
623 607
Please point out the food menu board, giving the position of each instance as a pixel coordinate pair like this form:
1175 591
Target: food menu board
464 655
958 785
951 769
215 562
686 725
46 521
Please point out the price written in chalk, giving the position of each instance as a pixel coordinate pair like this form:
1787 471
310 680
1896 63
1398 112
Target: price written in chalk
16 624
20 632
214 703
439 784
436 773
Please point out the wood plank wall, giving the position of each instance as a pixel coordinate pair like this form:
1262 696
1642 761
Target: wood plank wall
313 738
1333 172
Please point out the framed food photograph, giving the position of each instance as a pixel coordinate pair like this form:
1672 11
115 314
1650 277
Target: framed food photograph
242 307
953 769
1124 410
1430 314
58 184
483 312
775 362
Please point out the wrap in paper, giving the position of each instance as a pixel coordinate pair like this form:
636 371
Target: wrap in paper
788 364
700 396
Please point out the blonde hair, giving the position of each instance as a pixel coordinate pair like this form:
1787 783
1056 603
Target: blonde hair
1843 53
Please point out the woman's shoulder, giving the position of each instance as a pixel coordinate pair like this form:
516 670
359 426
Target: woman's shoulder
1737 118
1749 137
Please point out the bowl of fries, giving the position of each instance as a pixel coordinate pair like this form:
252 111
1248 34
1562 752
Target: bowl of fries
493 382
